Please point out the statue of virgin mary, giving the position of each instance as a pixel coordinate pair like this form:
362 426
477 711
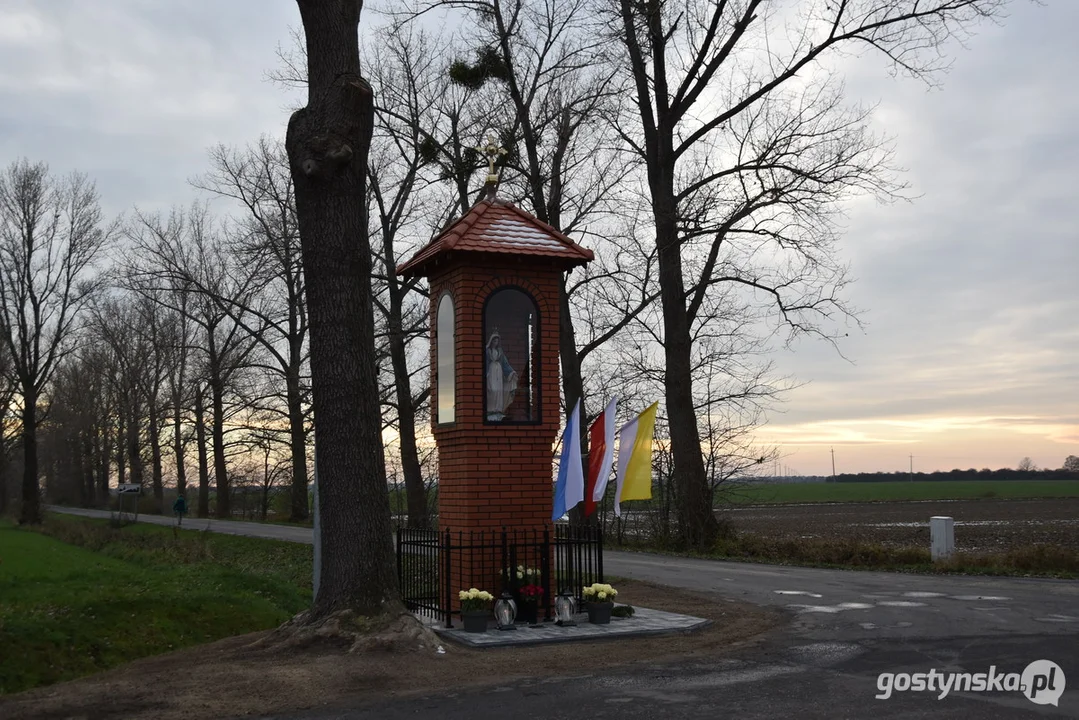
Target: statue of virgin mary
501 379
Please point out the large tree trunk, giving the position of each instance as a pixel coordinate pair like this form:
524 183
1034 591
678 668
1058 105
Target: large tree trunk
204 469
31 492
697 523
155 458
223 507
327 143
298 449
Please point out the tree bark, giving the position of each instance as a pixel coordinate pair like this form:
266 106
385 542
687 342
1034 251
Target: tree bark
327 143
31 491
204 469
697 522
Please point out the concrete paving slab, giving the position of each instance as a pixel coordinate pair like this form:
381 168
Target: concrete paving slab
645 621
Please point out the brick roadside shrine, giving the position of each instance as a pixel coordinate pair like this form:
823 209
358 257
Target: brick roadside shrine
494 280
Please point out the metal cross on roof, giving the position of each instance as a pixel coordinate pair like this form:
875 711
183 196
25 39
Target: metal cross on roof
492 150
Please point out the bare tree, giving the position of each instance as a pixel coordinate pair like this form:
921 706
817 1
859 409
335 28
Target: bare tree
1026 465
8 434
178 346
274 314
115 325
747 152
408 72
328 142
181 263
51 233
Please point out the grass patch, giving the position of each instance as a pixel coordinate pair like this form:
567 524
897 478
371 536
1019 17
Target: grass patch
1034 560
892 491
80 596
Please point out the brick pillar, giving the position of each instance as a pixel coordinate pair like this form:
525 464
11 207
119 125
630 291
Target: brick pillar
495 475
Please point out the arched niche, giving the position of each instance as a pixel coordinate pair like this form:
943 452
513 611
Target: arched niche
511 357
446 360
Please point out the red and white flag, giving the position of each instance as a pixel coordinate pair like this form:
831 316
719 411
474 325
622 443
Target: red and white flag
600 455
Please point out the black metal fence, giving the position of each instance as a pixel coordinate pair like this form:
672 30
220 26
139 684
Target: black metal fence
433 565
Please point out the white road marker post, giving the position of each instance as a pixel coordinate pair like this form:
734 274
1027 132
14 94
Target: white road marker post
941 537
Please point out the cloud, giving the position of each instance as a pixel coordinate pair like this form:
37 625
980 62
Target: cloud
971 288
134 92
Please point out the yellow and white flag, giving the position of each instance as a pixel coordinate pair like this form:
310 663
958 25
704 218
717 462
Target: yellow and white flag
634 479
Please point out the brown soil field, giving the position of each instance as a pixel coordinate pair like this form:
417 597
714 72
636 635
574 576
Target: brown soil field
980 525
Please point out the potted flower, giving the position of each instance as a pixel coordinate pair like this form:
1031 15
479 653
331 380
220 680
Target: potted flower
598 601
528 598
475 608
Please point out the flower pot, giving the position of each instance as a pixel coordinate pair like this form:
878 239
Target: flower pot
599 613
475 620
528 612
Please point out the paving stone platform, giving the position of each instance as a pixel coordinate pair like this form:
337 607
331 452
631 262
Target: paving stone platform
644 622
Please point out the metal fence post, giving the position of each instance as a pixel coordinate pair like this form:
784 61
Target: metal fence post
599 551
447 553
545 569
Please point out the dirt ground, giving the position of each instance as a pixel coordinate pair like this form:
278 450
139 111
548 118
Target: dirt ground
980 525
231 678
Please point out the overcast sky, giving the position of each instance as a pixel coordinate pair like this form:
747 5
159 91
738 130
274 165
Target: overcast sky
970 355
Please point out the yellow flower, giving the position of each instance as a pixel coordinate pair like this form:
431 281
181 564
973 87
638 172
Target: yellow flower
602 595
463 594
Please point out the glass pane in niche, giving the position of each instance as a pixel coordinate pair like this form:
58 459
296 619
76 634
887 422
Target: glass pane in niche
446 382
511 358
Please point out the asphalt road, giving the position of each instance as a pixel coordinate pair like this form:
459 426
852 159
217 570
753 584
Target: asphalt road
846 629
291 533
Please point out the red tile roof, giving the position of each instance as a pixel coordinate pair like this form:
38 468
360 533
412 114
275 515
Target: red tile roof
498 228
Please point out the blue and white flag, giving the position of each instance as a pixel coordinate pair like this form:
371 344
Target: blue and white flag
569 489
